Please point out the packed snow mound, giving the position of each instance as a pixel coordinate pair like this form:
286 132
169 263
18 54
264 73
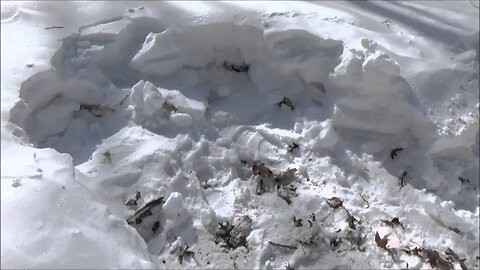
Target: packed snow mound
248 144
379 99
70 211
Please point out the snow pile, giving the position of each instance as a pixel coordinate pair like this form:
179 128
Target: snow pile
380 100
152 109
51 105
322 136
283 139
58 203
374 97
288 62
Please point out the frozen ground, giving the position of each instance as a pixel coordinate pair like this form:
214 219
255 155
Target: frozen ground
272 135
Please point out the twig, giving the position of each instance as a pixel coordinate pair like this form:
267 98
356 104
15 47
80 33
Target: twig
281 245
54 27
325 218
123 100
368 204
303 249
471 2
394 152
110 20
388 22
465 90
287 102
401 179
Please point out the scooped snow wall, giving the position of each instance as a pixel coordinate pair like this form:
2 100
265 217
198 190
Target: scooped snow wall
364 85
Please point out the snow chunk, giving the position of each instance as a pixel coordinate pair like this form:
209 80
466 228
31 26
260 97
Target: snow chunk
300 51
175 211
160 55
298 128
445 216
196 109
154 107
464 139
174 205
181 119
147 102
379 99
323 135
208 219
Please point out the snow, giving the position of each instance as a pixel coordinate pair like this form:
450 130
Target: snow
216 134
159 55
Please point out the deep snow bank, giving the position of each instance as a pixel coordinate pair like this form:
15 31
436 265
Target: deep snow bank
58 203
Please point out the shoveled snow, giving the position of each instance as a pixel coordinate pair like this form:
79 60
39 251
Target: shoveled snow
216 134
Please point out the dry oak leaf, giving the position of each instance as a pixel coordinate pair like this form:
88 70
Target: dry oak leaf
382 242
436 261
334 202
260 169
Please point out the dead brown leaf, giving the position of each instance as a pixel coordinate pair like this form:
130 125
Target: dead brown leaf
394 222
155 227
463 180
287 102
436 261
416 251
334 202
290 172
292 147
382 242
462 264
287 266
454 257
133 201
397 222
260 169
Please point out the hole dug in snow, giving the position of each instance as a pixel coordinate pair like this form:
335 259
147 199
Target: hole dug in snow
210 75
184 113
206 76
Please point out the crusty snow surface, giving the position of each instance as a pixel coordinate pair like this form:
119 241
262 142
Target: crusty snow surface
273 135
